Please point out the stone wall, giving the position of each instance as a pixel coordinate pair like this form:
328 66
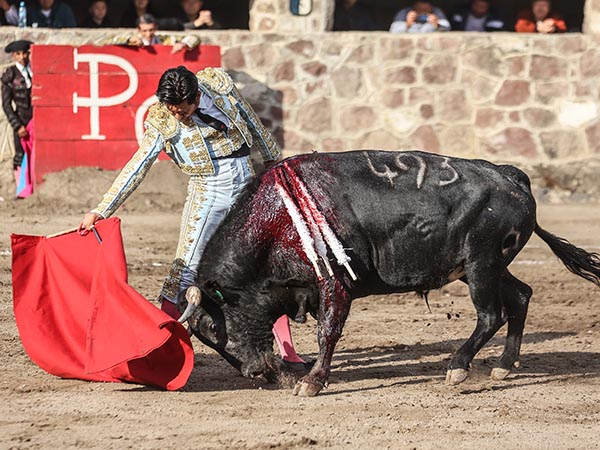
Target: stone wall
528 99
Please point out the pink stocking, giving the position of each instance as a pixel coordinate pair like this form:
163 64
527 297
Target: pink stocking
283 337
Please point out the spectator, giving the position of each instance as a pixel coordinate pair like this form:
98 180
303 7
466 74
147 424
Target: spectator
146 35
16 103
352 15
195 17
540 19
97 16
8 13
136 9
422 17
479 15
51 14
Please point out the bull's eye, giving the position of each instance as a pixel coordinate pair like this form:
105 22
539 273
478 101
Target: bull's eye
212 327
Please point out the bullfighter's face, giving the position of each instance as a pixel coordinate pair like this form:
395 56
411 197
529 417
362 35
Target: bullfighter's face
248 347
184 110
21 57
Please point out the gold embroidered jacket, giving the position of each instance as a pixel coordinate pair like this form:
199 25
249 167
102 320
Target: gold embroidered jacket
193 144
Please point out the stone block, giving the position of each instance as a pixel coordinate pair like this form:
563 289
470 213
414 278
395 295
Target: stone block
302 47
539 117
284 72
361 54
233 58
426 111
547 67
513 93
315 116
440 69
589 63
425 138
358 118
481 88
516 65
487 60
379 140
260 55
394 47
452 106
511 142
592 133
488 118
315 68
459 141
401 75
392 98
334 145
347 82
564 143
549 92
295 142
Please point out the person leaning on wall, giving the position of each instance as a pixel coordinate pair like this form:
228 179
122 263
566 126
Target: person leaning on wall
146 34
540 18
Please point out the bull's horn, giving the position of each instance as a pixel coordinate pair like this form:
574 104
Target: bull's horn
194 298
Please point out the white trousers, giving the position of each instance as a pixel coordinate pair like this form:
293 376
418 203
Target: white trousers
209 199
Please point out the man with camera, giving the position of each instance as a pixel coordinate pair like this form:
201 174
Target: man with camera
422 17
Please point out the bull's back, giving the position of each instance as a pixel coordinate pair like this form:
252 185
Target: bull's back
407 216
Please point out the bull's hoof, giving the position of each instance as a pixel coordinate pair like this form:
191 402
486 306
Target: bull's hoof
306 389
456 376
499 374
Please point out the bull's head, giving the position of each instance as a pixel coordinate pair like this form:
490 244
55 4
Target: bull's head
223 324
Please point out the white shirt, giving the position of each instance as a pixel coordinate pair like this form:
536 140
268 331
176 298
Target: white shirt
26 72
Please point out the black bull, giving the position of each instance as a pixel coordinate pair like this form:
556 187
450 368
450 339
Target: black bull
316 231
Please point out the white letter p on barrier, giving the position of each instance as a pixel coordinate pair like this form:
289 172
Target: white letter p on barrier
94 101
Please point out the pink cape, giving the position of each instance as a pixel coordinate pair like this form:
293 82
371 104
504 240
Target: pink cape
25 173
78 317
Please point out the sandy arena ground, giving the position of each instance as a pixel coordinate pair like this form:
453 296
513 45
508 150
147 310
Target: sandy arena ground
387 386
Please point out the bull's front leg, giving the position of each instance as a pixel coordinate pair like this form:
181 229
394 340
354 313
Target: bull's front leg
334 306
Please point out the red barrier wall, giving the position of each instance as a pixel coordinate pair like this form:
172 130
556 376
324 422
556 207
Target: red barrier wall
90 102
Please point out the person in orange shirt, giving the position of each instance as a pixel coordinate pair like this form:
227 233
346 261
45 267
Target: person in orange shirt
540 19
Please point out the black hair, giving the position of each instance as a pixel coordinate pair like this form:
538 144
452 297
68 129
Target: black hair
146 19
177 85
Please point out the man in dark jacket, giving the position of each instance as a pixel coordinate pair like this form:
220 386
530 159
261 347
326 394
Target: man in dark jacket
16 95
479 15
51 14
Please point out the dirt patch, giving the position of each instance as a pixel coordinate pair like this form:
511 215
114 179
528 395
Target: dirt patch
387 387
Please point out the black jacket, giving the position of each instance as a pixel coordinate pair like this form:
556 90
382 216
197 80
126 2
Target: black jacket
493 22
61 16
14 89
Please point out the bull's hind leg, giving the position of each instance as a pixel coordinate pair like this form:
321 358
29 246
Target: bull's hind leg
484 286
334 306
515 297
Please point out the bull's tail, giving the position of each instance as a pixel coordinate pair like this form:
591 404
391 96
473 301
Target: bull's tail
580 262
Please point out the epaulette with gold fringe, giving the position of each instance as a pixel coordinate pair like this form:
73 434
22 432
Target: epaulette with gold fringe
160 118
216 80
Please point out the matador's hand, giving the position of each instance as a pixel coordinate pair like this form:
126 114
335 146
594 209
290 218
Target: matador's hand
88 222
